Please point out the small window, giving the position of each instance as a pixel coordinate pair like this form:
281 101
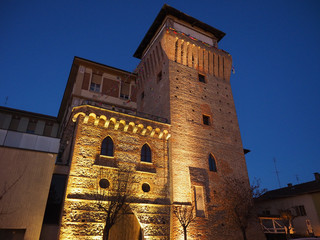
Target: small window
107 147
48 129
32 126
146 187
146 153
142 95
212 163
300 210
206 120
202 78
14 123
104 183
95 83
125 90
266 212
159 76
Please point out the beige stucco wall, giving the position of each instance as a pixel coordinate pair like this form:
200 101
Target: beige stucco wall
23 205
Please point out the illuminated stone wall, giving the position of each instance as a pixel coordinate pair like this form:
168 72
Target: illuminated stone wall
82 218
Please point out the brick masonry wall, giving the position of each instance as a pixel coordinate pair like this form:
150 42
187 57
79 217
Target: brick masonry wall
192 141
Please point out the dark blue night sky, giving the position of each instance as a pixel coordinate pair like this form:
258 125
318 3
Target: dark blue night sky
275 47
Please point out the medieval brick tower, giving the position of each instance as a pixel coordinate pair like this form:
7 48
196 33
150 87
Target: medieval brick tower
173 123
184 77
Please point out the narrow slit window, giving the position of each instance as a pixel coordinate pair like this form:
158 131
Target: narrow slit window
176 52
212 163
159 76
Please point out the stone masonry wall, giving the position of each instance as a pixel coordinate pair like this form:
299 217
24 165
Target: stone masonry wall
82 219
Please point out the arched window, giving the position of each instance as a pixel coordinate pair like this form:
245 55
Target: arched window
146 153
212 163
107 147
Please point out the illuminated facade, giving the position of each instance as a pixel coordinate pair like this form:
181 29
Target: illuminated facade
172 122
179 103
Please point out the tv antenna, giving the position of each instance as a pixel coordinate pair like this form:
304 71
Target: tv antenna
297 177
277 172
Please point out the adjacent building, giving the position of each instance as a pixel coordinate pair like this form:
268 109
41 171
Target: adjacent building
28 149
303 202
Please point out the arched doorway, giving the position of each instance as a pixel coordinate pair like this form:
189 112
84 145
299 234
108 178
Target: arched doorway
126 228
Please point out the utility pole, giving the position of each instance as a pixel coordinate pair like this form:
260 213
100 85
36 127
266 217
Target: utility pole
277 172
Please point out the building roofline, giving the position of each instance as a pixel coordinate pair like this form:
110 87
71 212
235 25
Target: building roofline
18 111
291 191
103 65
168 10
70 82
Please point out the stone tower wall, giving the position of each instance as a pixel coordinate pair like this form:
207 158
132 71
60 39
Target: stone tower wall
82 218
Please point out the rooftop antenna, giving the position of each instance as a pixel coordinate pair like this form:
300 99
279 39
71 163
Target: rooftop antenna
6 101
297 177
277 172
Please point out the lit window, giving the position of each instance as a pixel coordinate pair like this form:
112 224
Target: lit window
202 78
212 163
107 147
206 120
146 153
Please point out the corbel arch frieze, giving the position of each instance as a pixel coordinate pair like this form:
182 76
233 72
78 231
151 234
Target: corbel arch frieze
122 125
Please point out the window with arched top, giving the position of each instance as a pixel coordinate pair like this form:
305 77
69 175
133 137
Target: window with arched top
146 153
107 147
212 163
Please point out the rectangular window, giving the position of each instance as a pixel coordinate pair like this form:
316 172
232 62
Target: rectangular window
159 76
300 210
202 78
199 201
14 123
125 90
95 83
206 120
48 129
32 126
142 95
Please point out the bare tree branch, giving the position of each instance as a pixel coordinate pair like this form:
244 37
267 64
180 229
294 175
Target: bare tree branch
185 214
115 199
7 188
